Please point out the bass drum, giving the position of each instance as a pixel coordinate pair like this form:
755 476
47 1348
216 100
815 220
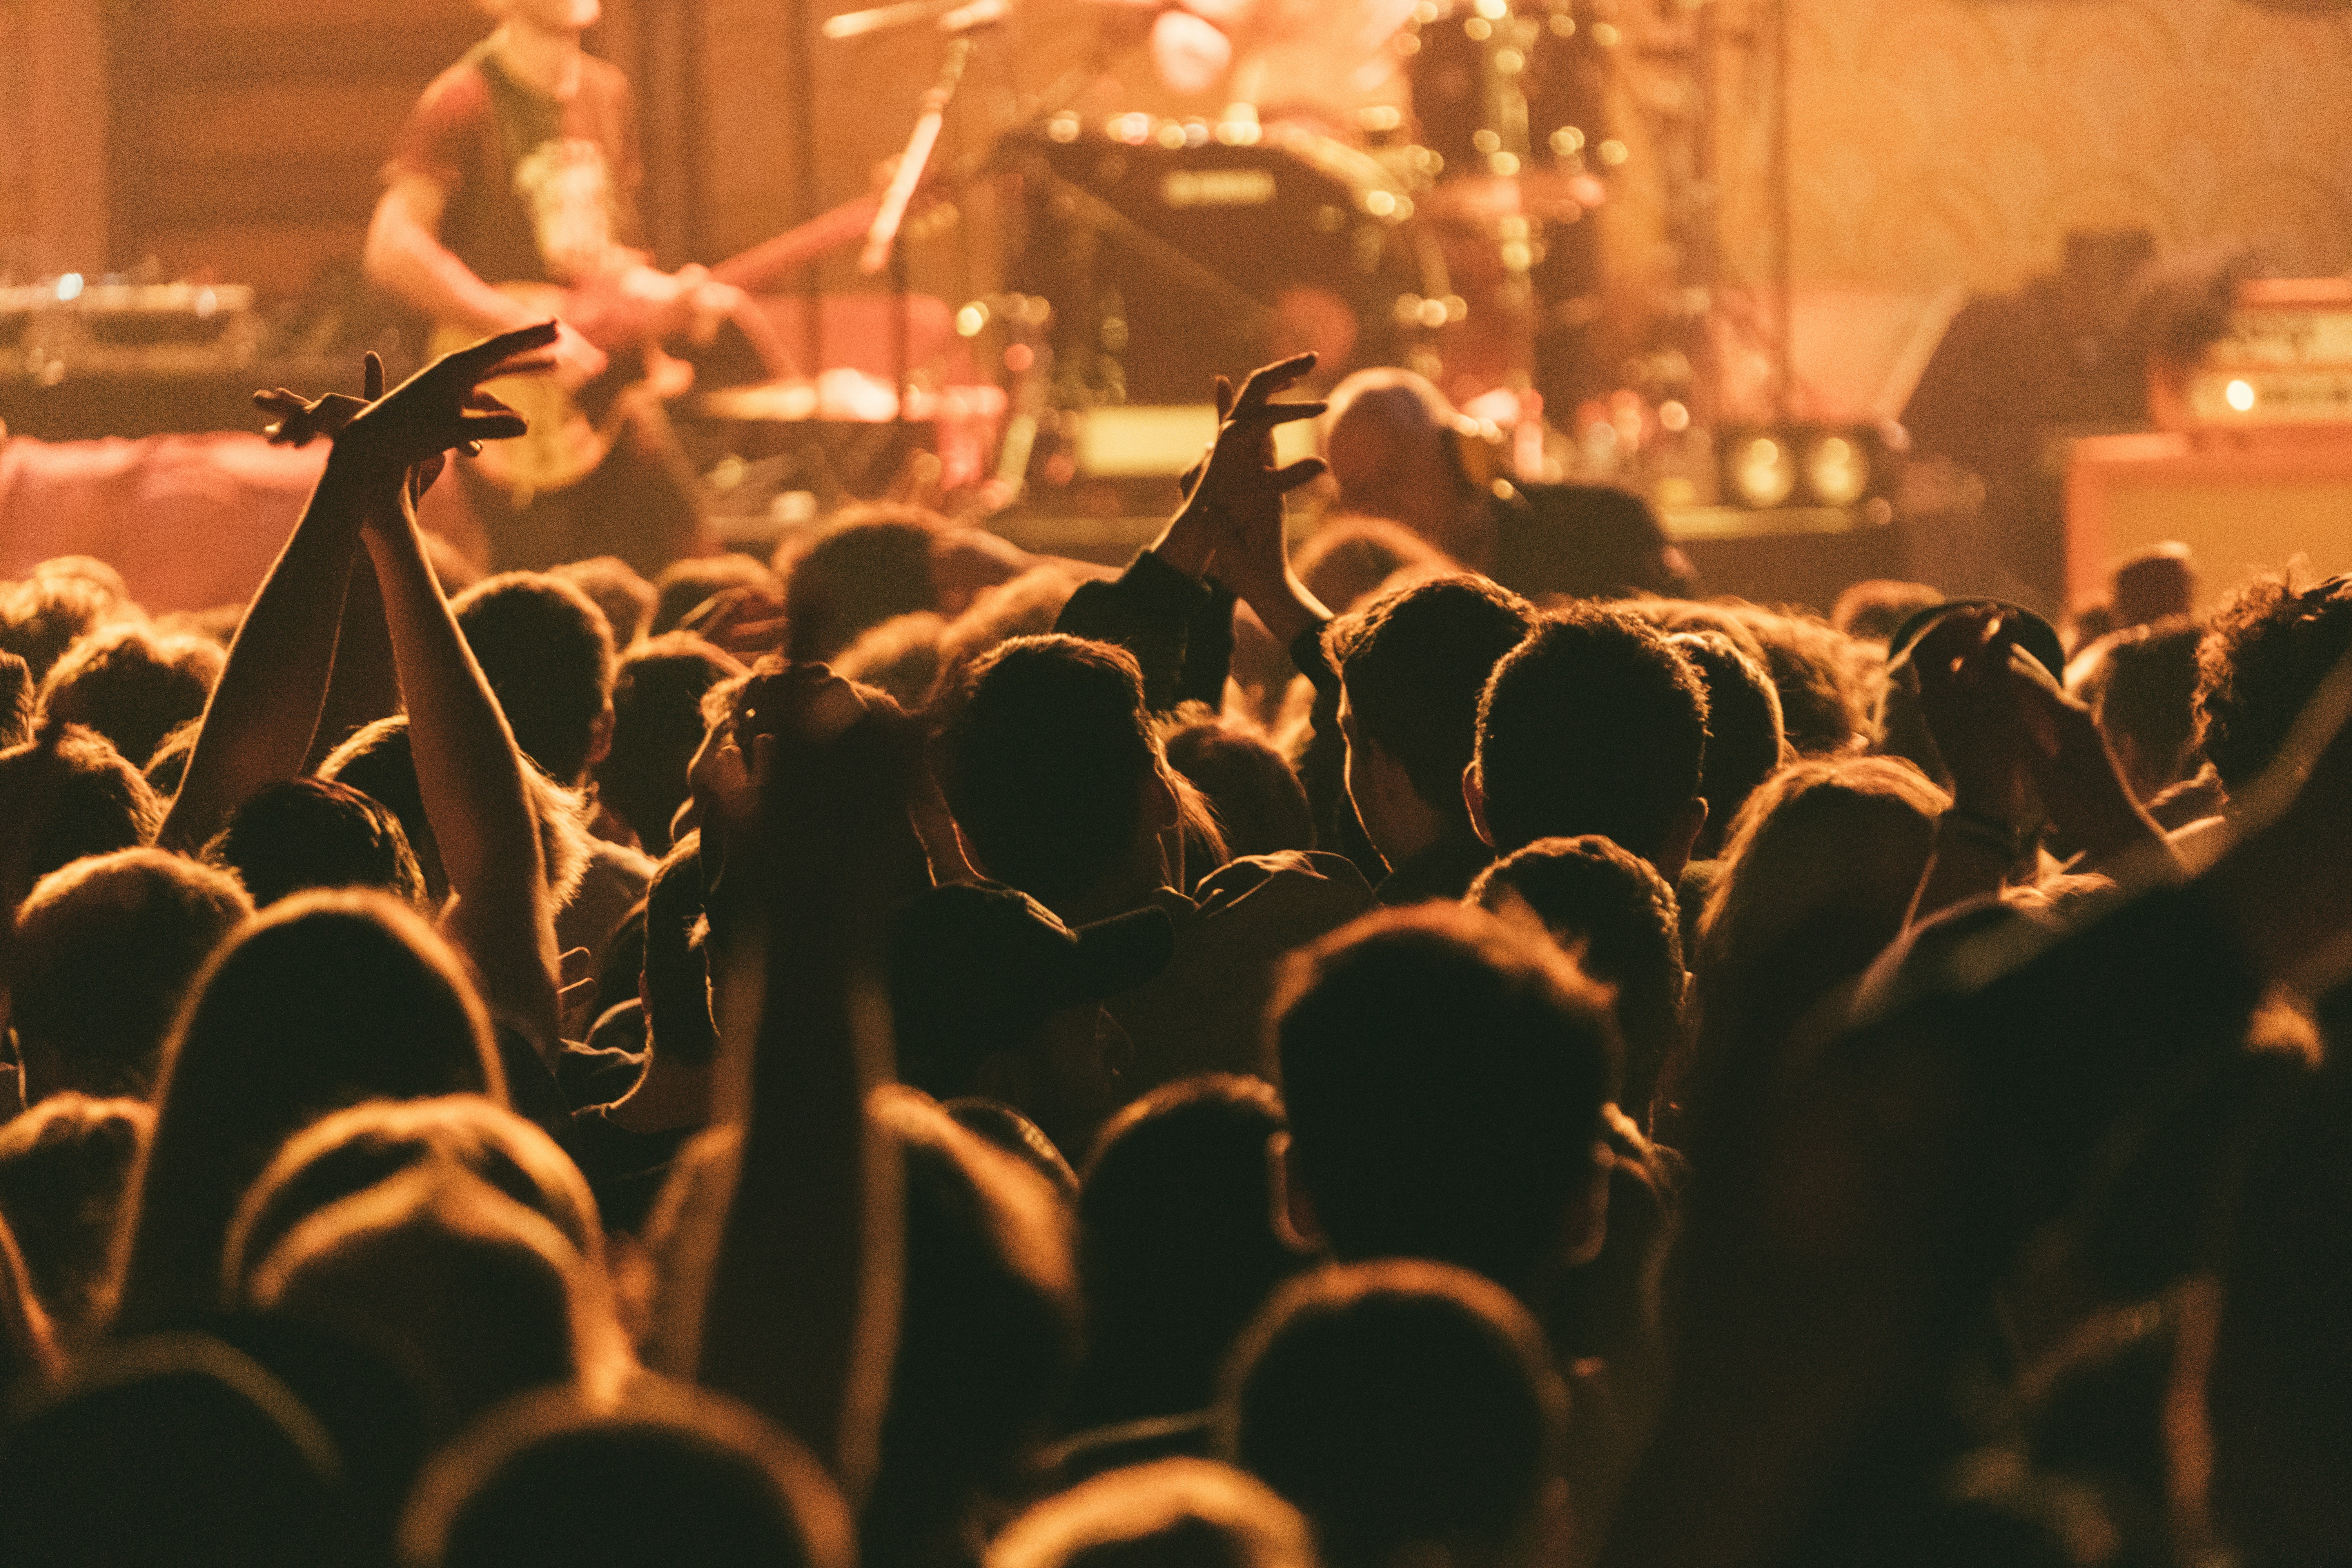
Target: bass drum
1174 252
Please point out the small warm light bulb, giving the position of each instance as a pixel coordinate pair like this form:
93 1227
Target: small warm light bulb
2240 394
69 286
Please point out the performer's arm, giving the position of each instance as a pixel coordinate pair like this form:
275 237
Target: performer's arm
405 255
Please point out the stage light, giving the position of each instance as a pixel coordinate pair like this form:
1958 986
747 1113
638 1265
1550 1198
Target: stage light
1837 470
1763 472
2240 394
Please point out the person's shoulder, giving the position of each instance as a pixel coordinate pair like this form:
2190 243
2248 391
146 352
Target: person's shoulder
460 87
1290 877
620 863
604 80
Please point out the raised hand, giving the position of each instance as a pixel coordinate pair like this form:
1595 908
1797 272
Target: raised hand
303 420
1238 497
1964 664
439 407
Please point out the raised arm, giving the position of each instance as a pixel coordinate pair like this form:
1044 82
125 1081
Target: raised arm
468 772
1156 609
264 712
799 1314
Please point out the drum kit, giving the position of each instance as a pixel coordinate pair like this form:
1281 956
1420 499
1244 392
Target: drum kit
1388 183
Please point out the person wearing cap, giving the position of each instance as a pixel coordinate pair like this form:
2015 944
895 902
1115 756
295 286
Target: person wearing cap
992 995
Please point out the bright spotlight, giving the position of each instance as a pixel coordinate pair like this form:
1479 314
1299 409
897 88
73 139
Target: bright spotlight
1762 471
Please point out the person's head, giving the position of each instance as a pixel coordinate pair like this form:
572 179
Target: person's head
2264 654
1412 666
64 1171
85 799
325 1000
992 995
1390 438
1260 806
1617 916
1171 1513
1851 837
1817 877
1055 775
474 1296
1871 610
106 948
1596 723
2141 683
900 655
1176 1244
169 1451
626 599
1351 556
987 1334
547 654
657 722
1023 606
15 700
868 565
1444 1073
1405 1407
45 615
2155 583
1830 685
131 686
377 762
1745 742
315 833
354 1149
684 586
672 1474
1612 545
675 981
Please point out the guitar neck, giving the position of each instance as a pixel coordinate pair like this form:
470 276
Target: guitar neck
765 263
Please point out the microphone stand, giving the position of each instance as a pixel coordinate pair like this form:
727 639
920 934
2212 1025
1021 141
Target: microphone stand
880 239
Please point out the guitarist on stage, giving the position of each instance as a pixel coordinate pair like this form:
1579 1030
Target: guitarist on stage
520 166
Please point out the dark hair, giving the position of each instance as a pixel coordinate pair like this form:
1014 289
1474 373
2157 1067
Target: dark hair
626 599
1171 1513
1829 683
15 700
44 616
1177 1248
684 585
676 982
2264 654
547 654
1414 665
1445 1075
673 1475
656 724
1874 609
326 999
348 1153
1349 555
1745 742
106 948
64 1171
1596 723
316 833
870 564
2143 687
131 686
91 802
1611 908
900 655
1399 1403
173 1449
1045 748
988 1332
1258 803
377 762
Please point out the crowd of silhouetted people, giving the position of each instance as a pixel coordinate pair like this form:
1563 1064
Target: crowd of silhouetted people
1438 1047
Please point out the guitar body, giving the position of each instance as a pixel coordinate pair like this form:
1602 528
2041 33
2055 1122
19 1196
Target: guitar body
627 313
564 444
